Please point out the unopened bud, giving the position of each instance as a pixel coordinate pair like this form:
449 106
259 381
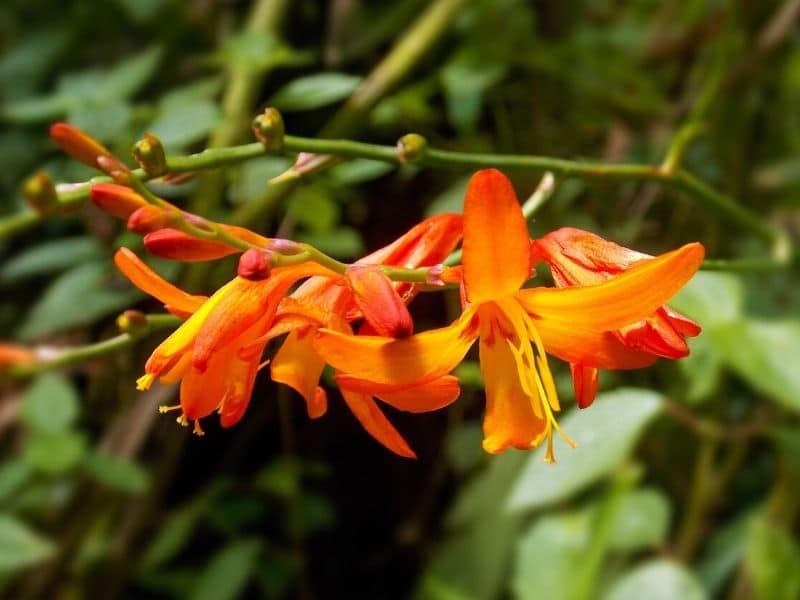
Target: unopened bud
305 164
254 265
116 199
40 192
411 148
78 144
268 129
149 155
150 218
132 321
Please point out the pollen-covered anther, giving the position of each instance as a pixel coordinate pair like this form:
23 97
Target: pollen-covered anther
197 430
165 408
255 264
182 420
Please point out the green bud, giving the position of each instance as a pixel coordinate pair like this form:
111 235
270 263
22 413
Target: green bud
40 192
149 155
269 129
412 147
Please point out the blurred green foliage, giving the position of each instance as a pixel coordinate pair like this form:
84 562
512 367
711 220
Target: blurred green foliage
685 480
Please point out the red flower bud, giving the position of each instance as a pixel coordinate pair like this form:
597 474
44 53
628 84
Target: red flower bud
254 265
116 199
78 144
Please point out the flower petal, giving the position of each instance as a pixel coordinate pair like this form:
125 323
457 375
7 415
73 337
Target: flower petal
424 397
510 420
600 349
626 298
585 381
418 358
153 284
496 247
427 243
375 422
298 365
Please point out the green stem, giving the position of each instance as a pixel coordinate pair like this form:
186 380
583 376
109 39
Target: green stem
71 356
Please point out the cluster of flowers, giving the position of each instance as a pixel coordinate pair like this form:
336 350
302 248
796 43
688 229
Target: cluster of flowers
606 311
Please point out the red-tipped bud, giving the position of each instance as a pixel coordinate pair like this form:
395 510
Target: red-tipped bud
254 265
40 193
176 245
379 302
150 218
306 164
77 144
116 199
149 155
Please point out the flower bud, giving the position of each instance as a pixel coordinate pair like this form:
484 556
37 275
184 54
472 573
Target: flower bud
176 245
149 155
269 129
117 200
305 164
149 218
411 148
78 144
132 322
40 192
116 169
254 265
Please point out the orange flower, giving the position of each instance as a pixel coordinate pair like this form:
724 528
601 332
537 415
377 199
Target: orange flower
578 257
516 326
365 293
213 353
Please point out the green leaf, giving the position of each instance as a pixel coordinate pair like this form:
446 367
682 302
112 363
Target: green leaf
758 352
711 298
547 555
258 51
316 211
660 579
773 561
170 538
102 120
465 79
180 125
451 200
315 91
723 553
13 475
358 171
226 576
78 297
117 473
343 242
55 453
142 11
605 434
642 520
50 404
20 546
127 77
50 257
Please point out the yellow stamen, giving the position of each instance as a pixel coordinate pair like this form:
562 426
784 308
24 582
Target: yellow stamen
182 421
165 409
197 429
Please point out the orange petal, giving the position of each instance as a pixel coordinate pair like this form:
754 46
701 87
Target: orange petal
585 381
246 303
118 200
379 302
153 284
13 354
246 235
418 358
375 422
298 365
427 243
424 397
202 392
600 349
496 247
510 420
176 245
624 299
655 335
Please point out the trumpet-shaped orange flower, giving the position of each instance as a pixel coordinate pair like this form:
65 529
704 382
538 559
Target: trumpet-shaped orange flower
213 352
365 293
516 326
578 257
